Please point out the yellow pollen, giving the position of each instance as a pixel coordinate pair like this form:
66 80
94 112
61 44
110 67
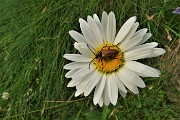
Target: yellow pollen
108 59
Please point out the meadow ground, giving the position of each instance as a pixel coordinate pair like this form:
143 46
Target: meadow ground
34 37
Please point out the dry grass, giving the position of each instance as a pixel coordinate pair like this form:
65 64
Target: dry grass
171 65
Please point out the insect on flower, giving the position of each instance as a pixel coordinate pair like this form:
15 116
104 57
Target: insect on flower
105 54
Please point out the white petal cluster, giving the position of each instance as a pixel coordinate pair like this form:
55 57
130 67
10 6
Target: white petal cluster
95 33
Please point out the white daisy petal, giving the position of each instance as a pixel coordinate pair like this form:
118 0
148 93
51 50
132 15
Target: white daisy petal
145 38
147 45
77 36
85 81
79 92
92 83
111 27
104 25
156 52
122 93
140 32
142 70
75 65
138 53
74 82
99 89
83 49
97 20
131 43
120 84
100 102
81 88
70 73
77 58
79 81
133 78
125 29
87 32
96 30
131 32
106 94
122 76
83 71
112 89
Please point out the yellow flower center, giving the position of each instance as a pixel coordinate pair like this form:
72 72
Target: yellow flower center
108 59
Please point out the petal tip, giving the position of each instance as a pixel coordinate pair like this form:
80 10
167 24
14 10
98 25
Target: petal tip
70 32
143 86
69 85
64 67
104 12
134 18
163 51
65 55
77 93
111 13
80 20
95 102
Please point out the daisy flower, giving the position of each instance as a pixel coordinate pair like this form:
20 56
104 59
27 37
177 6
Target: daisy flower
106 62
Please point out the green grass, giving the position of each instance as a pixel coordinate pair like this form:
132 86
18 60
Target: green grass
34 37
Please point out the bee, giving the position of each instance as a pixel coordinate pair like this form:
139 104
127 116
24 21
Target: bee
105 54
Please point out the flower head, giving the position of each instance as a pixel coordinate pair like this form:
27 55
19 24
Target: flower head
107 61
176 11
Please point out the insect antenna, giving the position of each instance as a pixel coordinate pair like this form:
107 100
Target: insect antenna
91 62
90 49
93 53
